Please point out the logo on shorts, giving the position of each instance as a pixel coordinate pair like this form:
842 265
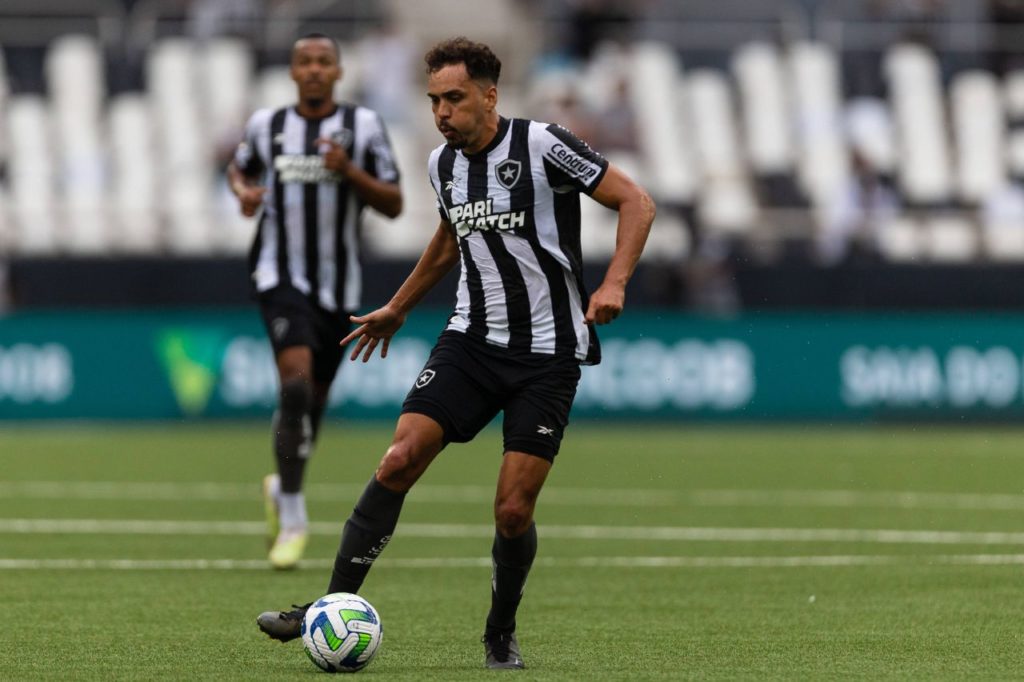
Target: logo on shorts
279 327
507 172
424 378
545 431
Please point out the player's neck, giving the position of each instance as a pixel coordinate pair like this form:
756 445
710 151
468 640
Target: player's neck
487 133
316 108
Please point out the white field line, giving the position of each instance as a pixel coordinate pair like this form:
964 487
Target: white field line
553 495
455 530
547 562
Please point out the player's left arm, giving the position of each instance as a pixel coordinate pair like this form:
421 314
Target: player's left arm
384 196
636 213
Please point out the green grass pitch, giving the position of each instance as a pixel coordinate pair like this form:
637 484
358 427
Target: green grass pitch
137 552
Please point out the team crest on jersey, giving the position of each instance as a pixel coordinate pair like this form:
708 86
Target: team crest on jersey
342 137
507 172
424 378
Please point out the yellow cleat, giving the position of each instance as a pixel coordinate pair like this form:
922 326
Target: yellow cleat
271 489
288 548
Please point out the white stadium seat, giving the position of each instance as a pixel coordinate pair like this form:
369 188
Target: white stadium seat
1013 95
767 120
1002 218
74 72
657 97
713 118
980 134
133 175
912 72
869 132
901 240
951 239
31 176
823 159
274 88
227 72
726 203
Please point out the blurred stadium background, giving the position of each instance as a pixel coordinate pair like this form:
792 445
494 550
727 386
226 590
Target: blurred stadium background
858 158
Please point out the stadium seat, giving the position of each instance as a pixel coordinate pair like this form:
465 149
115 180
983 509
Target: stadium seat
979 134
1013 99
352 77
767 119
823 159
227 72
1013 95
274 88
4 95
183 148
912 73
1002 223
187 207
74 72
869 132
6 224
133 175
726 207
901 240
726 203
31 176
658 100
950 239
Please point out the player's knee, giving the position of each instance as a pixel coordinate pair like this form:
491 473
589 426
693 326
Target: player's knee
296 398
402 464
512 517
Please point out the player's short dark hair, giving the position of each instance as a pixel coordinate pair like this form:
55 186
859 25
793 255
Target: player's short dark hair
320 36
480 62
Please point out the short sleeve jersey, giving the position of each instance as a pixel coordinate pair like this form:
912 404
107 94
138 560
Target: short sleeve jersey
515 209
308 233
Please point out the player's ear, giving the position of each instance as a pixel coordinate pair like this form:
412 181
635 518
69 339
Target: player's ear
491 98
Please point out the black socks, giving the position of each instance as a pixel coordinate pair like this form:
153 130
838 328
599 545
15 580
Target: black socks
293 433
366 534
512 558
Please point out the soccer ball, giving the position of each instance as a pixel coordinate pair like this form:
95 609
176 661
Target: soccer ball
341 632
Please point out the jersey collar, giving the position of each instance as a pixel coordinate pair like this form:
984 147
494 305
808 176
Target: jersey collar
503 124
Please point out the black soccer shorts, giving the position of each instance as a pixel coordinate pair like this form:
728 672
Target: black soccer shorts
466 382
292 319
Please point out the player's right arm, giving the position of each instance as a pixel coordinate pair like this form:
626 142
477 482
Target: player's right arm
246 168
247 189
440 256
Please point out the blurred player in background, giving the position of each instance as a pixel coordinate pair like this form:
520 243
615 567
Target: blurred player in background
308 169
508 194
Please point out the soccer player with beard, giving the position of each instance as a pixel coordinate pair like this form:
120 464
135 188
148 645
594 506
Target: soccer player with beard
508 196
308 170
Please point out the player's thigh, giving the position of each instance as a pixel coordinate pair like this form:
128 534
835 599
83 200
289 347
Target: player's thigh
330 328
288 318
537 412
456 390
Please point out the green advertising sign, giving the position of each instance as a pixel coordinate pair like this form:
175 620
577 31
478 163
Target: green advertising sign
148 365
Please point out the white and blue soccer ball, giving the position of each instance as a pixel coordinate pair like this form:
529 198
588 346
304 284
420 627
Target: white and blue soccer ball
341 632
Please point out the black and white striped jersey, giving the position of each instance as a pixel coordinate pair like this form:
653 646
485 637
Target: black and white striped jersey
515 209
308 232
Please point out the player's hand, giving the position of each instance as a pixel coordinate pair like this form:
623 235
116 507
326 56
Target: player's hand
335 156
250 198
605 304
376 327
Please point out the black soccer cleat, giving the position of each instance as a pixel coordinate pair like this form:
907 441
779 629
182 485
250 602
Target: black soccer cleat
501 651
283 626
